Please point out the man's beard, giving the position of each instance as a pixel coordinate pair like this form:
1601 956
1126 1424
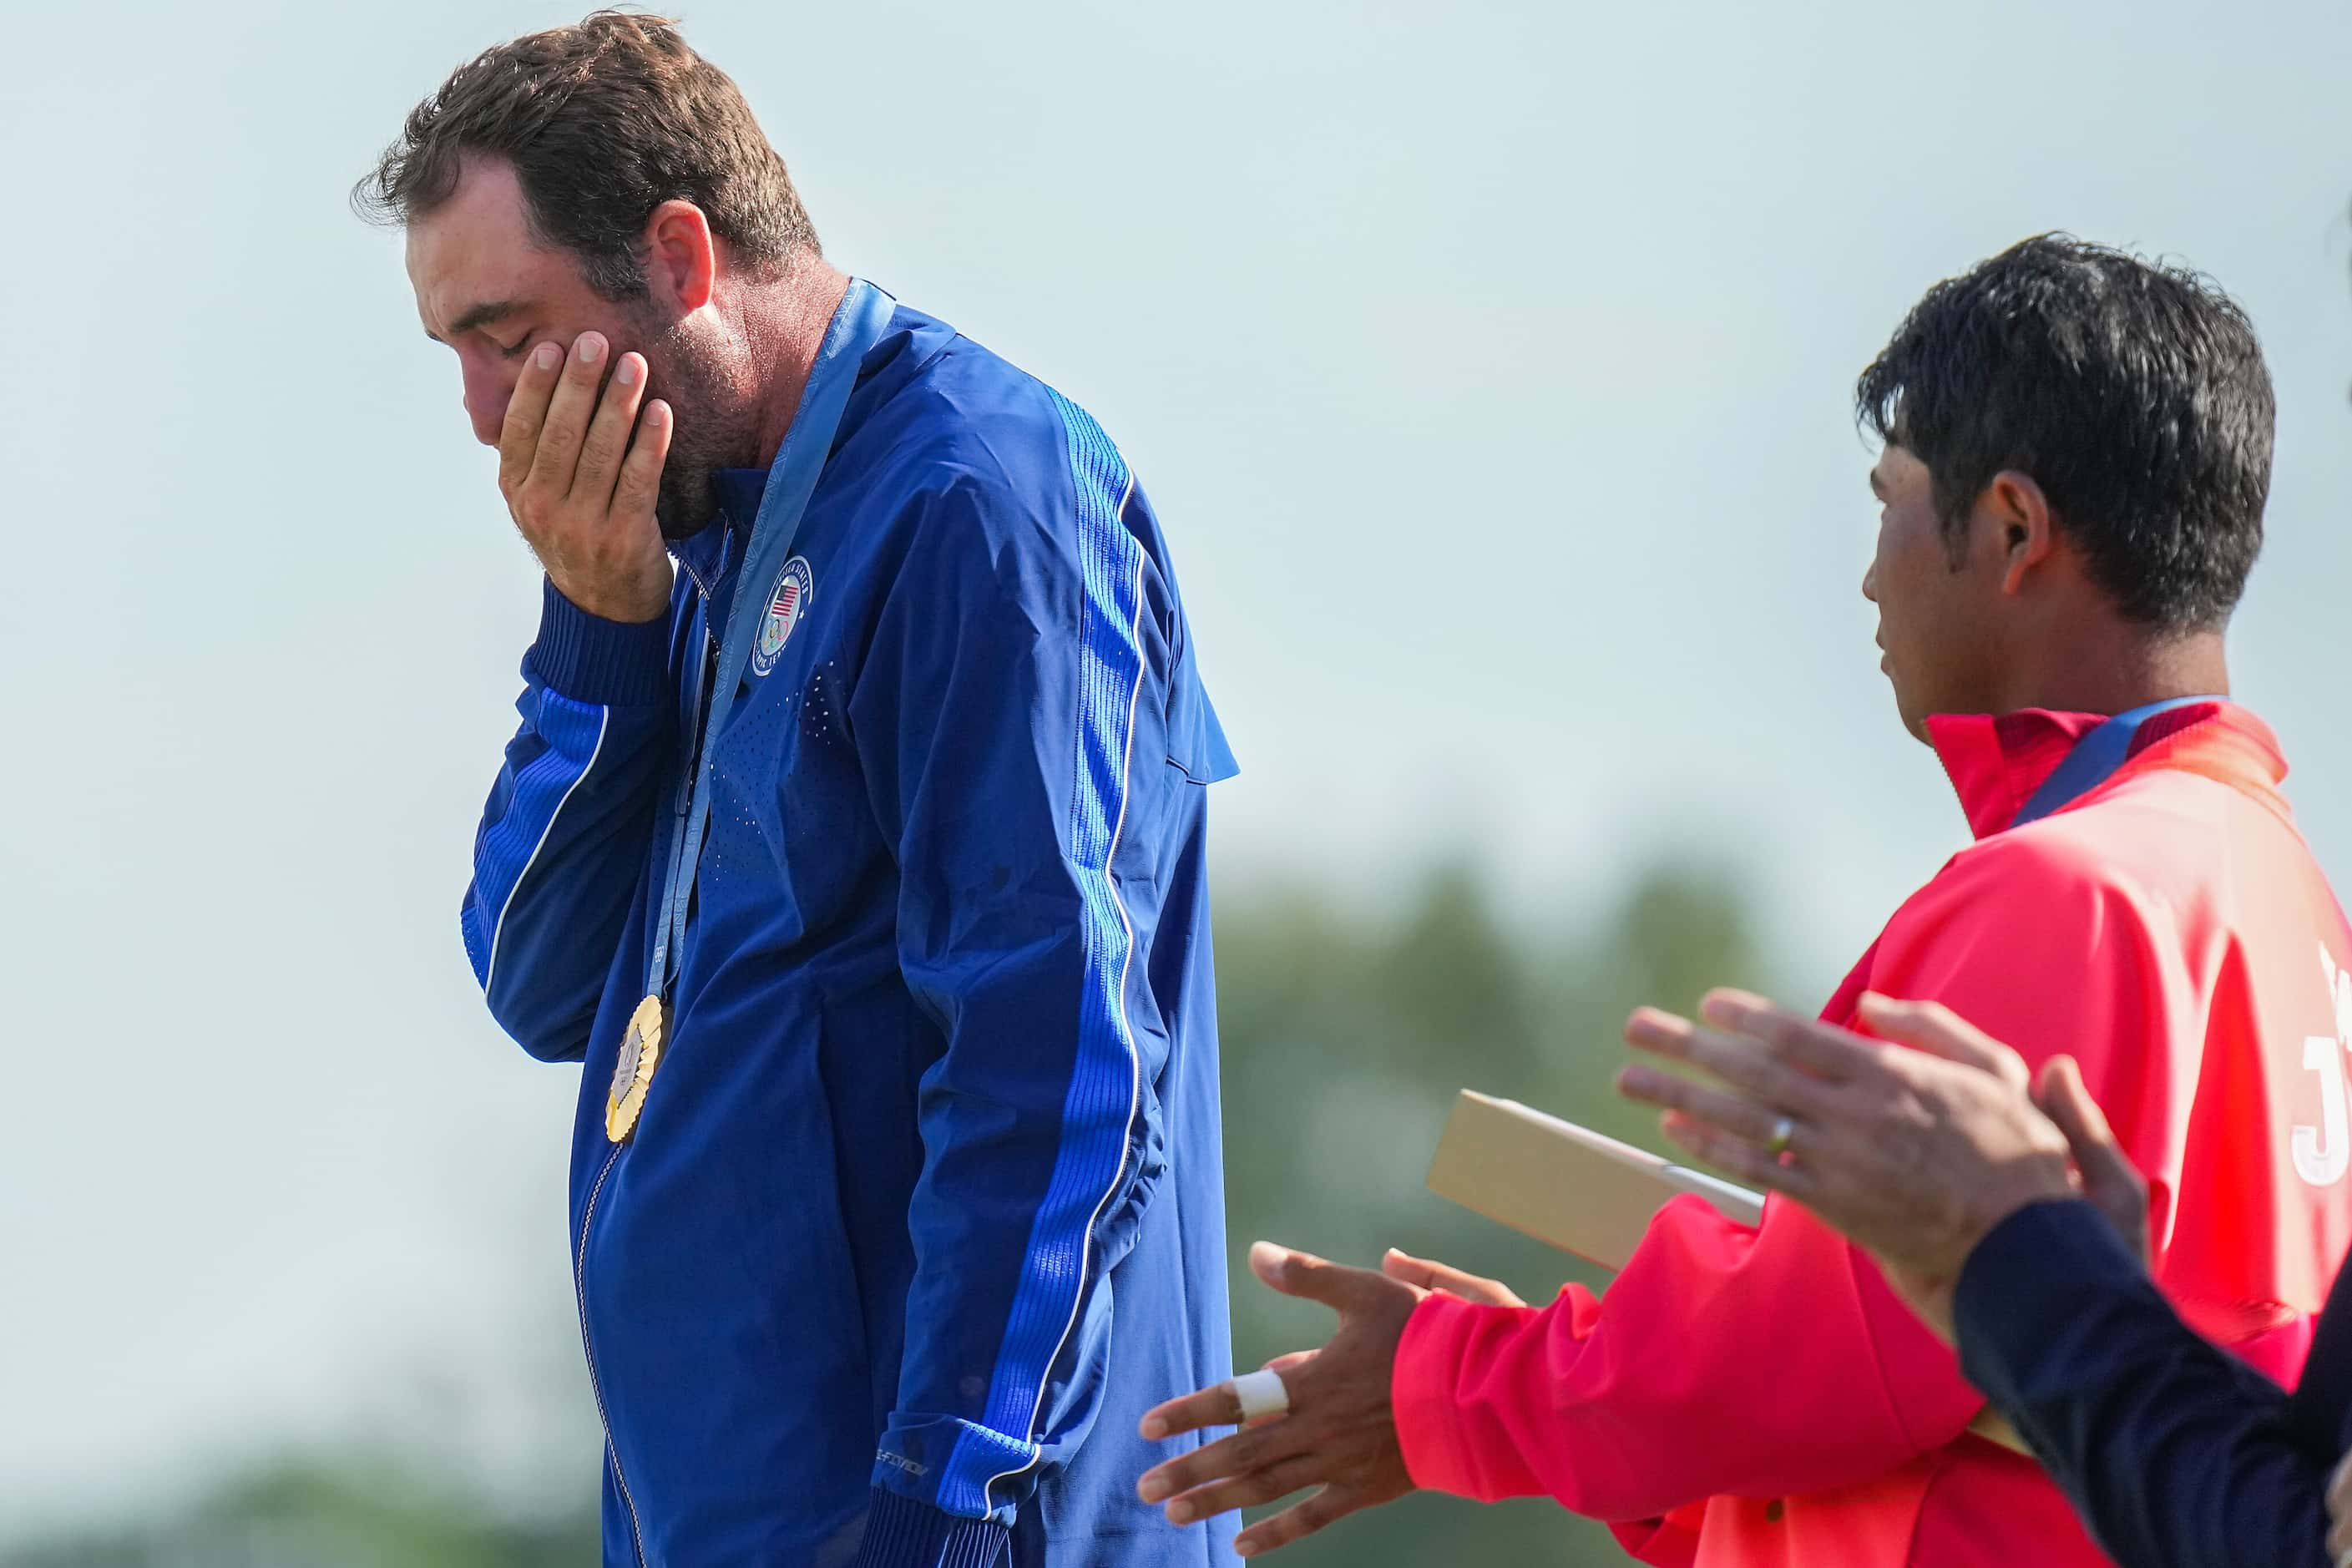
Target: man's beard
713 426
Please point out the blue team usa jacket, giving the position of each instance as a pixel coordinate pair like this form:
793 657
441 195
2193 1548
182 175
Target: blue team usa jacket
924 1206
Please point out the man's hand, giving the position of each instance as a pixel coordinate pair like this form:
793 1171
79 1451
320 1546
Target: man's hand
1339 1432
2111 1183
1913 1154
1448 1280
580 488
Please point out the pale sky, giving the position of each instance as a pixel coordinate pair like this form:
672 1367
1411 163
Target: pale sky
1489 366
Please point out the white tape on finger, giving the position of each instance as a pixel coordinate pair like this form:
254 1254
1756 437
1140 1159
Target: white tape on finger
1261 1394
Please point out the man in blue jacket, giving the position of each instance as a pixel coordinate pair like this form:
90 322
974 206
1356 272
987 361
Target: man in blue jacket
860 861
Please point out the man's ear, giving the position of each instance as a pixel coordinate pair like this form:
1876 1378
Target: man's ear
681 261
2014 507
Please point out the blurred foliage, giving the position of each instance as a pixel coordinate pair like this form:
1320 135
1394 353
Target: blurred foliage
354 1509
1346 1032
1345 1037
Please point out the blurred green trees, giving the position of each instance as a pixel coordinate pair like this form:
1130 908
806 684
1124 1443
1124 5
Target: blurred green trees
341 1509
1346 1032
1345 1037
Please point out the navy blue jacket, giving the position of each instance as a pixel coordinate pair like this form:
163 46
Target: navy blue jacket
924 1207
2177 1454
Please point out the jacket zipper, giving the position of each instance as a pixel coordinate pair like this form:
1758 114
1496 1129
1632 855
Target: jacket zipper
595 1384
588 1217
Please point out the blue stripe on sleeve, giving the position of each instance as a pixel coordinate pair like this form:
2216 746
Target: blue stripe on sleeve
573 737
1100 1103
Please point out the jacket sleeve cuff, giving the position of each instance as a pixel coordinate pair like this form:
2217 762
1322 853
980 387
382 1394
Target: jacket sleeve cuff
902 1533
591 660
1420 1394
2022 1291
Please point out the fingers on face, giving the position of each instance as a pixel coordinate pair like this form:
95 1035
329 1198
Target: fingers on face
639 486
568 409
1299 1521
526 413
608 432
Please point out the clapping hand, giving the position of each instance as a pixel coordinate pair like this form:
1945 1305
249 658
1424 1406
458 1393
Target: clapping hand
1338 1433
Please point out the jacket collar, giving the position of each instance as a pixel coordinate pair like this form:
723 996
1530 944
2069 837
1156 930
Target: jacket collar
1996 762
711 556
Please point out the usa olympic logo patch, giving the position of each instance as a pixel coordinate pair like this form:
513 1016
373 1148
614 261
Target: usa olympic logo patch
794 585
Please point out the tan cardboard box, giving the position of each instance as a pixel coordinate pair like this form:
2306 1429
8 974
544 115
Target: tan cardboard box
1582 1192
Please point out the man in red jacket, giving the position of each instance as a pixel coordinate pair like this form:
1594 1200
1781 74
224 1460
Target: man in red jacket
2077 453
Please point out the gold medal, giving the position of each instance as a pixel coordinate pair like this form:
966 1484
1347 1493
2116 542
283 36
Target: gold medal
641 1047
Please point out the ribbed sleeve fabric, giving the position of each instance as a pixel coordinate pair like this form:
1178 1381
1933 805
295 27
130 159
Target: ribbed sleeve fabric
901 1533
591 660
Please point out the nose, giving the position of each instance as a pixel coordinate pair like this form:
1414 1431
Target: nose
1870 582
486 394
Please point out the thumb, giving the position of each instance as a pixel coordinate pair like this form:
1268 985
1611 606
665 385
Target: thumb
2110 1180
1302 1274
1936 1029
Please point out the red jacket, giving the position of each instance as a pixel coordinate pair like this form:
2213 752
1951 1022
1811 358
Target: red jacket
1746 1397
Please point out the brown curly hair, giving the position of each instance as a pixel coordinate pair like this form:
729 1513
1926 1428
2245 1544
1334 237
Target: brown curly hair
602 122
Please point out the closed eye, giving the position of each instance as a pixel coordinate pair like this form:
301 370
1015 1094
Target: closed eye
514 351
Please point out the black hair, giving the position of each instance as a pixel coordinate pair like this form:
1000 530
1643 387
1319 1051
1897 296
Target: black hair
2132 391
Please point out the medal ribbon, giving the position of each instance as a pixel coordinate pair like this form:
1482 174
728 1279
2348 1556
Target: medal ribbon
2094 758
856 327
